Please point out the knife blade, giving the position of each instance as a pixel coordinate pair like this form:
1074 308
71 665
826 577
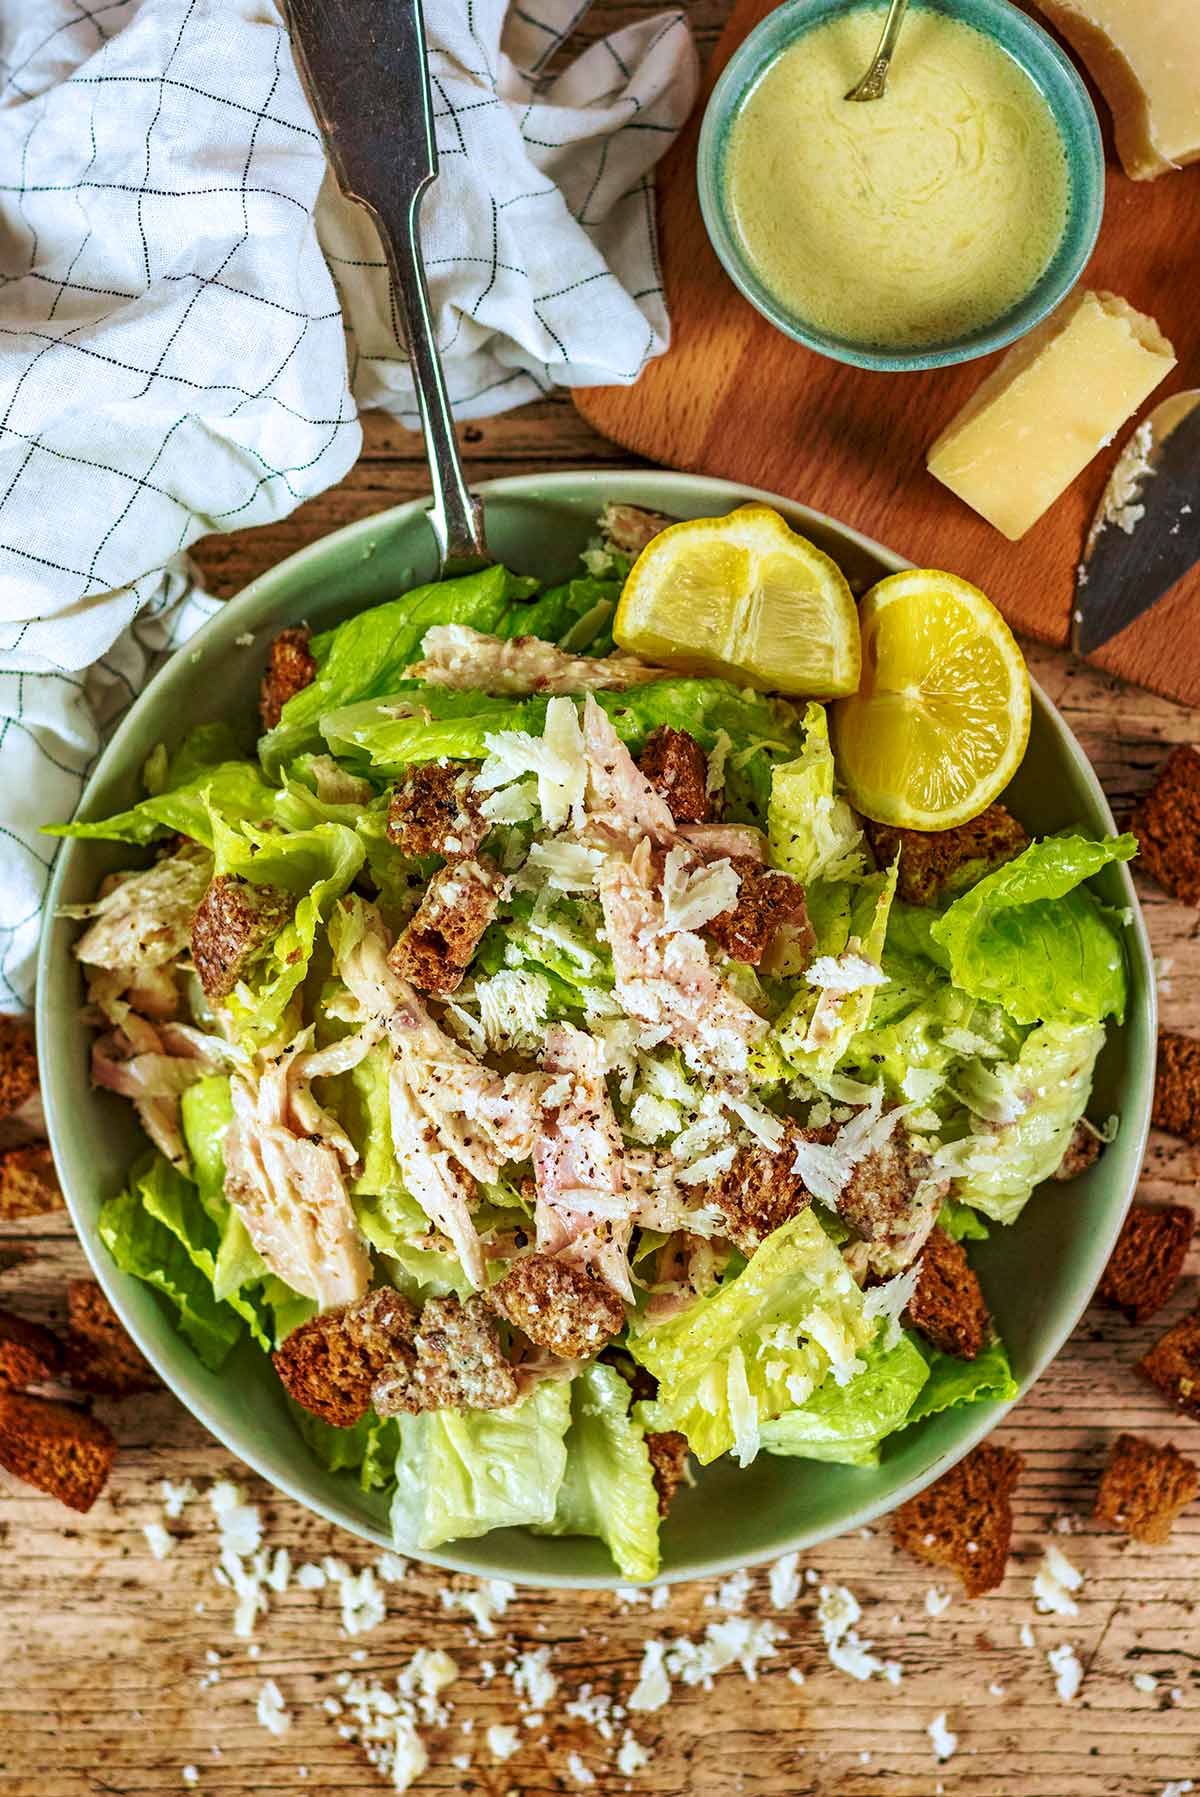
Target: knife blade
1146 531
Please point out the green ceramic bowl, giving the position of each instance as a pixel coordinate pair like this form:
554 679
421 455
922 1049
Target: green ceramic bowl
1051 72
1037 1276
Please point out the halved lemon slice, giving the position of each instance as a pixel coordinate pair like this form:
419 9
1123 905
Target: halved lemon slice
746 598
939 725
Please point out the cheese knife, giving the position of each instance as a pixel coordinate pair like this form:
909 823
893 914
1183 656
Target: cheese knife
364 66
1146 531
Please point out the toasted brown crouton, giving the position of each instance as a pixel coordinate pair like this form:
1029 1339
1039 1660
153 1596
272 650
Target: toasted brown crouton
964 1519
558 1304
668 1463
1081 1152
234 923
28 1183
459 1364
1173 1365
760 1191
434 811
330 1363
767 901
100 1356
947 1304
1144 1488
435 949
1167 825
677 767
18 1064
29 1354
290 668
1177 1086
60 1450
937 863
892 1199
630 527
1144 1267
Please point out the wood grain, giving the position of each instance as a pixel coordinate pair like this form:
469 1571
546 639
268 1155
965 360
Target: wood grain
104 1648
734 397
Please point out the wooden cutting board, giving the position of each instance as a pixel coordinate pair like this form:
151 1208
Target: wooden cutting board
734 397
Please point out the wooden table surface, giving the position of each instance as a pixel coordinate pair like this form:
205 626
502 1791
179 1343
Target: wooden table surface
109 1682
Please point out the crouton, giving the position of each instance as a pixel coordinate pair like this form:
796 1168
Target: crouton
760 1190
892 1199
62 1451
233 925
947 1305
1144 1488
1081 1152
677 768
436 946
558 1304
434 811
629 528
290 668
767 901
459 1364
668 1451
29 1354
1144 1267
18 1064
100 1357
1166 823
964 1520
330 1363
1173 1365
935 864
1177 1086
28 1183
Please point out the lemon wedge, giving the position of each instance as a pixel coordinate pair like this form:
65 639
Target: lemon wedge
746 598
939 725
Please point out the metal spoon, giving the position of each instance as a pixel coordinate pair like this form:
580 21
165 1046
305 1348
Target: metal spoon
875 80
365 68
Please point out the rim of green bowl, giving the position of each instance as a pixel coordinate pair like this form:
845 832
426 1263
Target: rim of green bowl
1061 87
166 1349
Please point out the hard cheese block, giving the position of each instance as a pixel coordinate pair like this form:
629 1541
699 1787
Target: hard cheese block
1048 407
1145 57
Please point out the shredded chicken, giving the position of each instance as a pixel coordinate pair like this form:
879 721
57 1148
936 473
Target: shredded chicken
152 1062
619 796
583 1207
456 656
145 919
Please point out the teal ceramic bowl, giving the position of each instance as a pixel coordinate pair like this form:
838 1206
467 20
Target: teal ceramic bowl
1051 72
1038 1276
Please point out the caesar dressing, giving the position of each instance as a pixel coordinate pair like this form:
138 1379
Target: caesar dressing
908 220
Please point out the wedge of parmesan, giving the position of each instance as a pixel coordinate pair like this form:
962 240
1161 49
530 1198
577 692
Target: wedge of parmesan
1144 60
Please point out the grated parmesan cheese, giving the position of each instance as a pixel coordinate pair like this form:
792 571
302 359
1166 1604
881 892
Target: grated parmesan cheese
837 1612
942 1738
158 1540
271 1710
784 1581
482 1602
502 1742
1068 1673
1054 1581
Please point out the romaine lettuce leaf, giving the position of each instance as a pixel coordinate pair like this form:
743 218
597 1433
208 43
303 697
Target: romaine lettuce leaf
232 790
369 1446
1027 938
813 834
206 1113
760 1344
953 1382
961 1223
816 1052
847 1423
460 1474
608 1487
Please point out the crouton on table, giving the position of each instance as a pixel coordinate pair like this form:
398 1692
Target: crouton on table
434 811
1177 1086
29 1354
436 946
934 864
290 668
62 1451
677 767
964 1519
233 925
1144 1267
18 1064
28 1183
558 1304
1144 1488
767 902
948 1305
100 1357
1173 1365
1166 823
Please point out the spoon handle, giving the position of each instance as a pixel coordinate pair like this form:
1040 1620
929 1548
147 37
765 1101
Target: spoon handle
875 80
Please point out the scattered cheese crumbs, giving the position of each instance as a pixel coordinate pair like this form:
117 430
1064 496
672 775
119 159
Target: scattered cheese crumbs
1053 1582
943 1739
1026 1636
631 1755
238 1523
384 1723
1178 1787
502 1742
391 1568
157 1539
271 1710
653 1688
483 1602
1068 1673
310 1577
732 1595
1067 1525
889 1301
784 1580
1145 1681
190 1775
579 1772
175 1497
996 1689
245 640
739 1640
363 1604
595 1708
837 1612
533 1680
795 1675
936 1600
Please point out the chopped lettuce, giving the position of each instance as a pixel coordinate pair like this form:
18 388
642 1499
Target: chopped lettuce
232 790
1028 938
608 1487
369 1446
813 833
461 1473
961 1223
758 1345
847 1423
206 1113
953 1382
817 1028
